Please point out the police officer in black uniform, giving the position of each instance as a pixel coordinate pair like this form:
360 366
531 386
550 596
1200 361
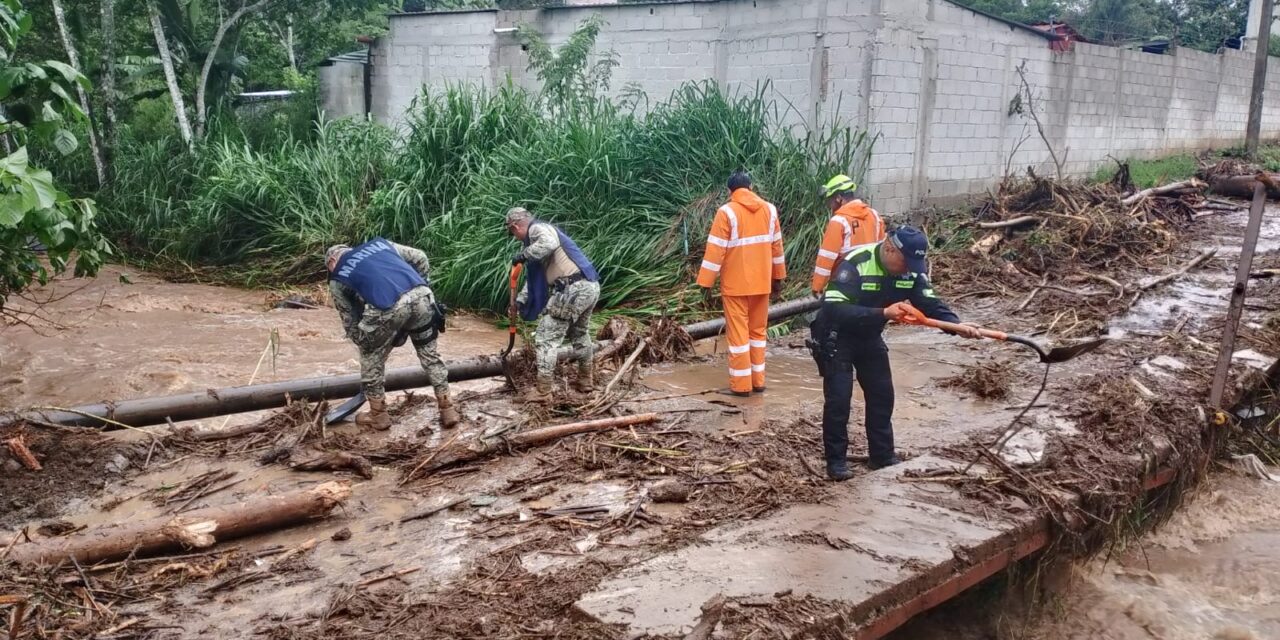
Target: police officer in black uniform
867 290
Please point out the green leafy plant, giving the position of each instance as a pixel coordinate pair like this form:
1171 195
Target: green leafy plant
35 100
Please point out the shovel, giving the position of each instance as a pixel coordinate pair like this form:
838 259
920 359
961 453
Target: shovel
512 321
1051 356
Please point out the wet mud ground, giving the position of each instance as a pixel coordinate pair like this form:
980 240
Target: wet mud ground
759 527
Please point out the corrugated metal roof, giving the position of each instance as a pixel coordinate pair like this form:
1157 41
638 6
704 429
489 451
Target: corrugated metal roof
360 56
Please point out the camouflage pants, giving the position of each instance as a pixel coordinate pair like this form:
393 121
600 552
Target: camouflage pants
568 316
377 334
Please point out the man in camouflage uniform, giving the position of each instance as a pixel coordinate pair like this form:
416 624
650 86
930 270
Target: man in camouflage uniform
380 290
563 282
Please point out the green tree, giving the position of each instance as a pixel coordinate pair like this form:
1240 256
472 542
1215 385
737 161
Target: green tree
36 102
573 74
1207 25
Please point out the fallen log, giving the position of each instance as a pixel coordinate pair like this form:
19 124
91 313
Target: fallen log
455 452
338 461
1168 189
1243 186
197 529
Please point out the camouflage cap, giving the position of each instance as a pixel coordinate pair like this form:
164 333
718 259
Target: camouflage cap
518 214
336 252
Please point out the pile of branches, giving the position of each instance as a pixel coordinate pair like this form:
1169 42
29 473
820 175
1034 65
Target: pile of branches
104 600
1038 227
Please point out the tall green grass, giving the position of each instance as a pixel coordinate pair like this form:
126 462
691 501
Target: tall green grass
636 191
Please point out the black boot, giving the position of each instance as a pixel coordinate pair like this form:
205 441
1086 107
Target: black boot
880 464
839 472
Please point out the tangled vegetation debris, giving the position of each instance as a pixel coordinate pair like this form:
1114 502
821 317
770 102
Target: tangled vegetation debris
990 380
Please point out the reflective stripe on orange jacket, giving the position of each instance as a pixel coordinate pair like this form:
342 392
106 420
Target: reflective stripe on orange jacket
852 225
744 248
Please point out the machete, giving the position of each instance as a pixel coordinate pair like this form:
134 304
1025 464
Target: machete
344 410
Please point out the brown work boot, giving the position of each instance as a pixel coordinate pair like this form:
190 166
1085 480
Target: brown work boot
450 417
543 393
376 417
585 382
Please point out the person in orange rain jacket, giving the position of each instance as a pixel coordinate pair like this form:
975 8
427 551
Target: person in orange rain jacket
852 223
744 250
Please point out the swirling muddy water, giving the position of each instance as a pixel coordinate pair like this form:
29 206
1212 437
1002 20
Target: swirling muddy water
1209 573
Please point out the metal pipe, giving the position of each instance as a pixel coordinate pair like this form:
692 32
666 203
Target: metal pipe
229 400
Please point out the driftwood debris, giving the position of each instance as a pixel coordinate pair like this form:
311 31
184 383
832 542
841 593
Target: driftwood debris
18 447
198 529
338 461
457 451
712 612
669 491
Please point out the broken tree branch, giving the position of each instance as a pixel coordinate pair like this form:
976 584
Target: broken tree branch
1013 222
1204 257
195 529
1186 185
455 451
338 461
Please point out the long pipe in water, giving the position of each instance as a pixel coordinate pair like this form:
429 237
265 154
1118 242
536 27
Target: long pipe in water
217 402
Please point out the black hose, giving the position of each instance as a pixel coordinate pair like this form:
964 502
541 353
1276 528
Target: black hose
1014 428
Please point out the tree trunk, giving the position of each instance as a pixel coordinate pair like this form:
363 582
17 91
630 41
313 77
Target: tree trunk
166 61
1242 187
199 529
108 79
201 114
60 17
288 45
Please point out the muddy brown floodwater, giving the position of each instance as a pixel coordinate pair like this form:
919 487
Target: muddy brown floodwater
151 338
1207 574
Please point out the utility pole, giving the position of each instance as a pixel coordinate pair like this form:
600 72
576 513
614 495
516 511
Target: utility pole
1259 79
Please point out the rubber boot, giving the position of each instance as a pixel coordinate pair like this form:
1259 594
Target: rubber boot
543 393
585 383
449 415
376 417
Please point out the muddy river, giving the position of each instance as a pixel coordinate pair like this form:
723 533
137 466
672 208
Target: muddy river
1208 573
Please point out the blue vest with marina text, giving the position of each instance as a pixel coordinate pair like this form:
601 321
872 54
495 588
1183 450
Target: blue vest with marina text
377 272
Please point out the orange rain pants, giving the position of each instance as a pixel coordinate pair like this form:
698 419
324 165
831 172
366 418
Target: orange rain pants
746 321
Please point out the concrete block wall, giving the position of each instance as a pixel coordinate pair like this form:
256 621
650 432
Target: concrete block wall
1195 93
429 50
934 81
341 90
